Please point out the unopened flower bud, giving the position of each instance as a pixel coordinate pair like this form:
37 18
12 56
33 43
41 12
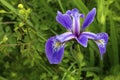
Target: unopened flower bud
20 6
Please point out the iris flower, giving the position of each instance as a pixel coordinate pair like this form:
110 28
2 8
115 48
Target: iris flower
55 45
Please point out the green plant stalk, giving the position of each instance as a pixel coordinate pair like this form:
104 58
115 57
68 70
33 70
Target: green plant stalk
59 1
114 42
37 34
92 58
101 14
48 8
101 66
77 55
63 78
92 69
45 68
81 6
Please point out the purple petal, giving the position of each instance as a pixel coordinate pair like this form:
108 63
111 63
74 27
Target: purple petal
71 12
54 50
102 42
90 35
76 21
64 19
83 40
65 37
89 18
68 12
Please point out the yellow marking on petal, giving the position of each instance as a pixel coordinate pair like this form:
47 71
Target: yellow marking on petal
101 41
57 44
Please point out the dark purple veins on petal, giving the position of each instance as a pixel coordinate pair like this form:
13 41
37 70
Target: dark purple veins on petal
54 47
89 18
54 50
64 19
83 40
102 42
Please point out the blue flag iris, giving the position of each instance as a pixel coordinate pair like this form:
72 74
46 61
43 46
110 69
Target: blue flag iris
55 45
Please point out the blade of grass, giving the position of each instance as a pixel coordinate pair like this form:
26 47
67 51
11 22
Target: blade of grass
81 6
59 1
94 69
92 57
50 10
114 42
101 15
63 78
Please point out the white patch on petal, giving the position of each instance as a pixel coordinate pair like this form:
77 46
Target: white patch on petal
57 45
101 43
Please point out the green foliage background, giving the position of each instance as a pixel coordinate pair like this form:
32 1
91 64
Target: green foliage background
24 31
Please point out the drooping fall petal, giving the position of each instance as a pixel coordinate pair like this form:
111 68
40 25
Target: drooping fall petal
54 50
83 40
102 42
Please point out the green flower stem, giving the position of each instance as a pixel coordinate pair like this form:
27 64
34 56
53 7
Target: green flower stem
63 78
37 34
78 57
92 58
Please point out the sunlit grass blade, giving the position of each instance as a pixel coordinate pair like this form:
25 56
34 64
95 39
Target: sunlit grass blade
81 6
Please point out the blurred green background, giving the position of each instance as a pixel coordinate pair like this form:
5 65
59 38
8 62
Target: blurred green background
24 31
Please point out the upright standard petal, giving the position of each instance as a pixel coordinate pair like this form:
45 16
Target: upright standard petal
65 37
89 18
76 21
54 50
64 19
102 42
71 12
